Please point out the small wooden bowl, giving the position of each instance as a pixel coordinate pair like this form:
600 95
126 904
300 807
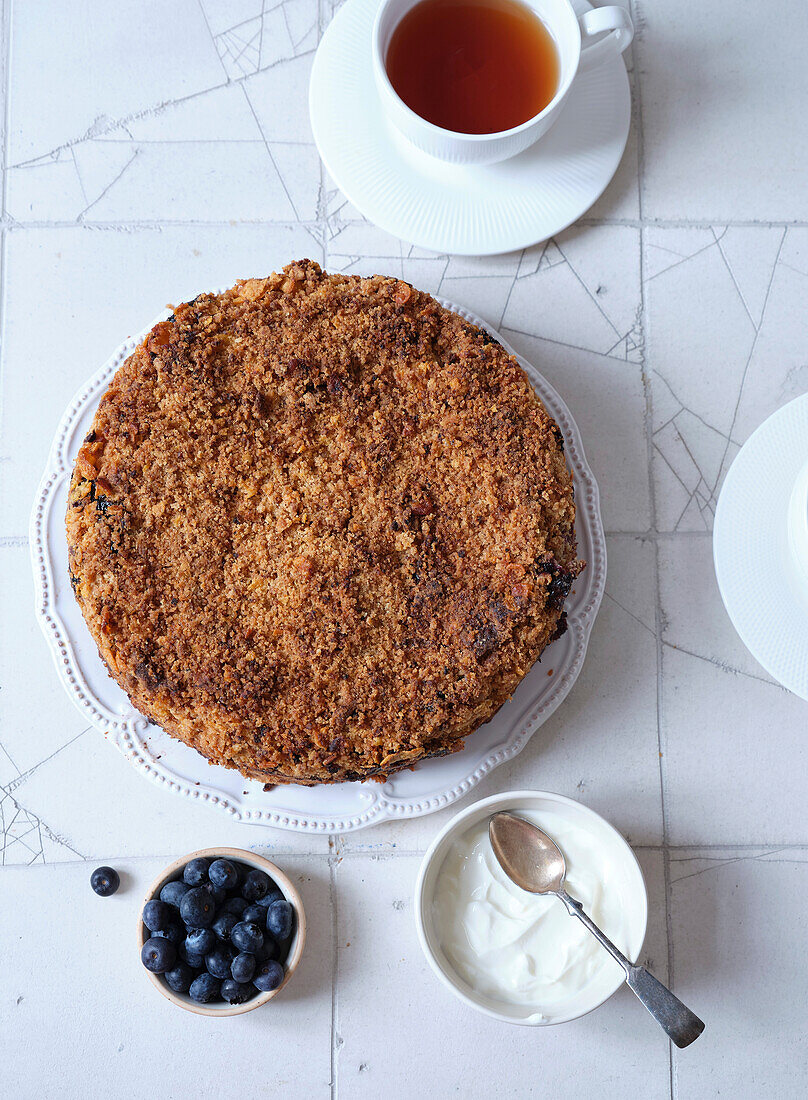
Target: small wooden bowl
182 1000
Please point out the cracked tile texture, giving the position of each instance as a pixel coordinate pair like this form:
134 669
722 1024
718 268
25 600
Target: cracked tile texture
151 150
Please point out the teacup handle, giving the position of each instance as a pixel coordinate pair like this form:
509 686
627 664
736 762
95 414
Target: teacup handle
617 22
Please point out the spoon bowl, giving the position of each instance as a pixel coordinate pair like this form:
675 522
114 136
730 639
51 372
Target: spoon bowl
526 854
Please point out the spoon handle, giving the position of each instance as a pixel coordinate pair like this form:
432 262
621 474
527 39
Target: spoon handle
680 1024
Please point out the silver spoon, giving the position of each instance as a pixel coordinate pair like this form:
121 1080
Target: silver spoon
536 864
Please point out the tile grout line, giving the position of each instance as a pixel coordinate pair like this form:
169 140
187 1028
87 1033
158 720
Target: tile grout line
675 849
16 224
649 441
680 853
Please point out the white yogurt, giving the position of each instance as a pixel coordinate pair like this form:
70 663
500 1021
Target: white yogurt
522 948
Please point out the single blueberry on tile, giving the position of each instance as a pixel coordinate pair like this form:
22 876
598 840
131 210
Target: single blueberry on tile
105 881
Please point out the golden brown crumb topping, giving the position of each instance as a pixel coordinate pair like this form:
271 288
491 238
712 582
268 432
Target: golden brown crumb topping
321 527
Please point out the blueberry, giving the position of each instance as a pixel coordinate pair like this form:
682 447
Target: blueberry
268 976
157 915
224 925
197 908
175 933
172 893
234 992
234 905
218 893
218 960
243 967
256 885
105 881
196 871
196 962
273 894
222 873
158 955
254 914
247 937
269 949
199 941
279 919
204 988
179 979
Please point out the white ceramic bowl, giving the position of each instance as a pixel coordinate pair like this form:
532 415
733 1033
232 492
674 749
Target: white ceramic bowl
238 855
627 879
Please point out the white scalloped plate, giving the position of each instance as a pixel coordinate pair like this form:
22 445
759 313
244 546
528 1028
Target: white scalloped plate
342 807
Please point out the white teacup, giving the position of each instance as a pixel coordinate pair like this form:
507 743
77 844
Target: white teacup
579 47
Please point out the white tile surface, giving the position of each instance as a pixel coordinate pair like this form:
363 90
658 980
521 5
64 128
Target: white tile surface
88 1002
722 902
117 61
730 734
726 338
153 150
723 109
450 1048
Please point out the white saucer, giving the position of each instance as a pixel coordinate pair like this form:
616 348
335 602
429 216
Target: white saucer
760 545
465 210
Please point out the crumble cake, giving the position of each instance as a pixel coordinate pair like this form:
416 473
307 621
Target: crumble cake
321 527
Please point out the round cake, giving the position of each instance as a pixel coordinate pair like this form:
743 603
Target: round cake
321 527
